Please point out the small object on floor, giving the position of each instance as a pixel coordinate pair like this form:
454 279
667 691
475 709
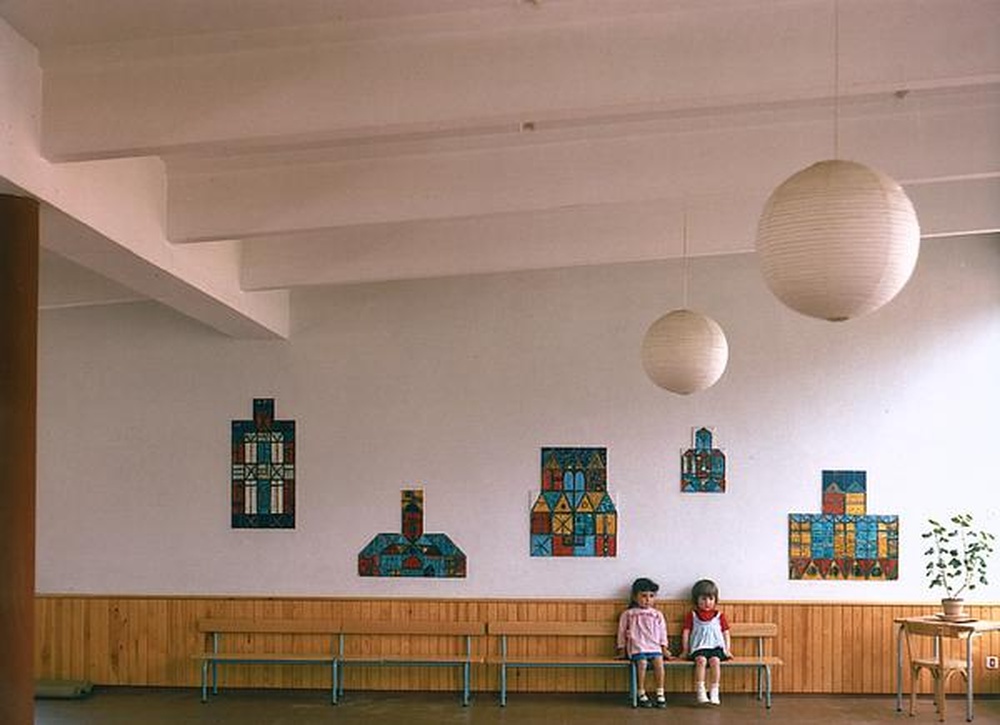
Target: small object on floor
644 700
62 689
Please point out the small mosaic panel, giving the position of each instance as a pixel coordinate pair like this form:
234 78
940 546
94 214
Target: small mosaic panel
263 470
703 468
843 542
574 514
412 553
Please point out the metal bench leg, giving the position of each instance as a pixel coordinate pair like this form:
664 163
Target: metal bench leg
204 680
333 682
503 685
633 685
968 679
767 677
465 684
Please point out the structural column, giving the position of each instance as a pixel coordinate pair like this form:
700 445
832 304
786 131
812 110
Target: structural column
18 399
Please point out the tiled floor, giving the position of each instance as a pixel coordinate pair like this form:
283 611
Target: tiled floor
141 706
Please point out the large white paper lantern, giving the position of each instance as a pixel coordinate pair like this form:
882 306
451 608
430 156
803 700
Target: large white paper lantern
685 351
837 240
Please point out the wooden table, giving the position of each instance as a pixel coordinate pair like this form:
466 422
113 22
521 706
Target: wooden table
974 629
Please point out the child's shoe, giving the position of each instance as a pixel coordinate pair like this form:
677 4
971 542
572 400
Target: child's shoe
644 700
713 696
661 700
701 695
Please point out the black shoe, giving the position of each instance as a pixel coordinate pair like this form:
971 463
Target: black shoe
644 700
661 701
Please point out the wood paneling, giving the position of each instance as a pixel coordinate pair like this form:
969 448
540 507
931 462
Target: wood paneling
827 647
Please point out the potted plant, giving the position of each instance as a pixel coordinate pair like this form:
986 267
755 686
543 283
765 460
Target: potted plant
956 560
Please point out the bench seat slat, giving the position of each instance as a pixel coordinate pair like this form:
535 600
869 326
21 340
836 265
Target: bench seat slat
735 661
445 629
267 626
410 659
262 657
555 629
564 661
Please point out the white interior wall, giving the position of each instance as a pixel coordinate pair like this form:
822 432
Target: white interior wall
453 385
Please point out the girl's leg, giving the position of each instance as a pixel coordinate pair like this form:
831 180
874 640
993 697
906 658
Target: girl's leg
661 698
658 673
640 674
699 680
713 690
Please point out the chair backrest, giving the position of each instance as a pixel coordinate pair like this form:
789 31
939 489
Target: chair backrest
913 630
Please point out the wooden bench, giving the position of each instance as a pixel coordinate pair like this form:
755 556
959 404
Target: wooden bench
597 642
365 642
220 633
355 642
601 651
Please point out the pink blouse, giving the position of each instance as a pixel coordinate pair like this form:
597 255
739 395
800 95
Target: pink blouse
642 630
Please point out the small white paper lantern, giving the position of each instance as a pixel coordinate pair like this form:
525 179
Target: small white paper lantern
684 352
837 240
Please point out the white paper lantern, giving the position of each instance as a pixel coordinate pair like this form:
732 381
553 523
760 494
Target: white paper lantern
837 240
685 351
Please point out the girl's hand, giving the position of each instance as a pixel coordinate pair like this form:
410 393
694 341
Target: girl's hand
667 654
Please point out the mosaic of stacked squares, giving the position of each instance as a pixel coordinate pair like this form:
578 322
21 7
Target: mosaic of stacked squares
844 541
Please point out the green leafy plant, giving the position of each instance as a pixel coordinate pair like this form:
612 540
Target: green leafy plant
957 555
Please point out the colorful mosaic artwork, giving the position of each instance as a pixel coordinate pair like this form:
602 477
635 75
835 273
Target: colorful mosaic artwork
843 542
263 470
703 468
412 552
574 514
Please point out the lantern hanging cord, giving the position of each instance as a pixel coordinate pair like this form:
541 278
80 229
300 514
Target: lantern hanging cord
836 79
684 260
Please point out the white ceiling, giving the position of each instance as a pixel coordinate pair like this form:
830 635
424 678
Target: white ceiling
215 154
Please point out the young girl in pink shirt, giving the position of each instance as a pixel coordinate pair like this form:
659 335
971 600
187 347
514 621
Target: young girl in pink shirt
642 638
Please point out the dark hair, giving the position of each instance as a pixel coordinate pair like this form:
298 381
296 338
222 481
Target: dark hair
704 587
640 585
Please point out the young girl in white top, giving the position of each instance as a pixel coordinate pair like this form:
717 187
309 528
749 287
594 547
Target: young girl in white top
642 637
705 639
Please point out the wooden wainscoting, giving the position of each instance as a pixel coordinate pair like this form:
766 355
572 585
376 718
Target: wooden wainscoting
147 640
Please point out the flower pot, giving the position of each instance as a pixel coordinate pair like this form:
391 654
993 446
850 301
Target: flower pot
953 608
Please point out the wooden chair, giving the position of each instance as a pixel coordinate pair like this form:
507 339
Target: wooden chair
940 666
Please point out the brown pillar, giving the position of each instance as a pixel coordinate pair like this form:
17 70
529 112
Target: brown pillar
18 386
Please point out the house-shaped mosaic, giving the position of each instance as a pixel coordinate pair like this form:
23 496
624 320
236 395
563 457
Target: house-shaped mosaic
843 542
574 514
262 481
412 553
703 468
